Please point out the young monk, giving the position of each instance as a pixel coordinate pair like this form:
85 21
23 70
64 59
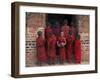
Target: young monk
65 28
56 31
40 46
70 46
51 44
61 44
73 30
77 49
48 29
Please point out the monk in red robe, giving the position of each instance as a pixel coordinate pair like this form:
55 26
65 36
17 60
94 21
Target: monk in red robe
40 46
70 54
56 29
73 30
65 28
51 43
48 29
61 44
77 49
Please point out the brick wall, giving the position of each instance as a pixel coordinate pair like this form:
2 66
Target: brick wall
34 22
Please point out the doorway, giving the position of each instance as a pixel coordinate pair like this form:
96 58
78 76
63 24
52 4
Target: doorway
52 18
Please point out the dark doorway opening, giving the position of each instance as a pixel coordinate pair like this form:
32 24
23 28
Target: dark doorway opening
52 18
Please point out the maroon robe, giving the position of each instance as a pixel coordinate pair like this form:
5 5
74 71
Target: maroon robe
40 46
62 50
65 29
51 43
77 49
56 31
70 48
73 30
47 30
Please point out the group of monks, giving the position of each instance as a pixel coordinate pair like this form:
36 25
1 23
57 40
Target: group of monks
60 42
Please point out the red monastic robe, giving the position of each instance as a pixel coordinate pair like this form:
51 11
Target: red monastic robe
65 29
47 30
56 31
70 48
73 30
51 43
77 49
40 46
62 50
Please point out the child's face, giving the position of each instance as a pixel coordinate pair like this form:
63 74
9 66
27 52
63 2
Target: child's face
62 33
